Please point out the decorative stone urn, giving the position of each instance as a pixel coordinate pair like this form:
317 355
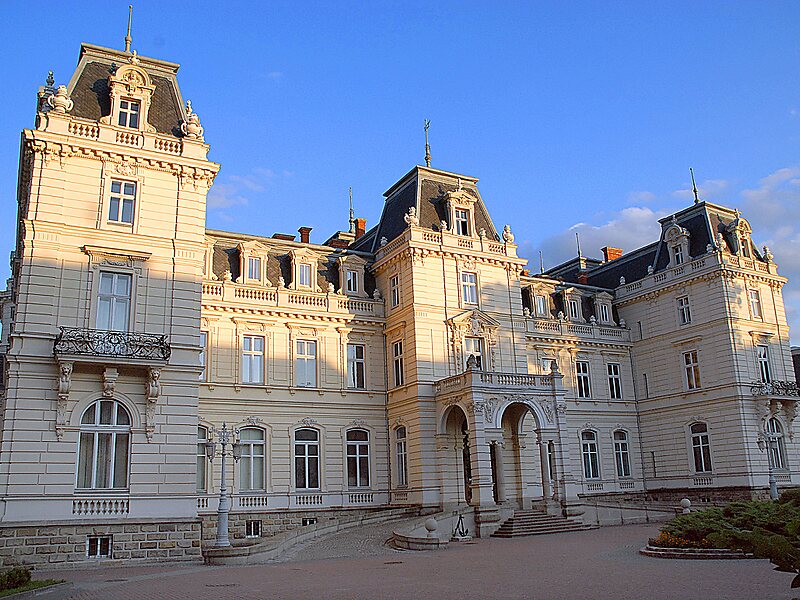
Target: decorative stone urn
191 127
60 102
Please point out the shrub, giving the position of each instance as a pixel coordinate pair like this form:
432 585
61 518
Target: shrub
14 578
791 496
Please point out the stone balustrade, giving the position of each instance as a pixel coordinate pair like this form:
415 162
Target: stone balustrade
422 236
474 378
567 329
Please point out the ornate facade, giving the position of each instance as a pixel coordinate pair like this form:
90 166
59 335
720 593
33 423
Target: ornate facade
415 364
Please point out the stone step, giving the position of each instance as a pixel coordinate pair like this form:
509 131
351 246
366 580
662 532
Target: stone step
532 522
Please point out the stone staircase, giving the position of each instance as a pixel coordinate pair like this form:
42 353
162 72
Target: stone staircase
534 522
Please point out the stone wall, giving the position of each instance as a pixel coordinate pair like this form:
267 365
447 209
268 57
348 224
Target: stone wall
55 544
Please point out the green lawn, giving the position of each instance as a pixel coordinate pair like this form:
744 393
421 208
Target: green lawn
31 585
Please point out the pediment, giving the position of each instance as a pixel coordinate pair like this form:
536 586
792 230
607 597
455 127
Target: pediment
475 320
252 246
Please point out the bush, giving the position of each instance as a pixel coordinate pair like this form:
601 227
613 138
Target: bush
14 578
791 496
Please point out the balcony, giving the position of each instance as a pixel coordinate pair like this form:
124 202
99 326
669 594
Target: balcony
487 380
565 329
77 342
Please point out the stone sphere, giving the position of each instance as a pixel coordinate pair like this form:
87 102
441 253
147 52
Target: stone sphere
686 503
431 525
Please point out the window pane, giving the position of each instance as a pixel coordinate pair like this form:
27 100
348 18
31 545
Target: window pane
113 209
85 456
88 416
127 211
121 461
122 415
104 450
305 434
313 472
106 412
258 472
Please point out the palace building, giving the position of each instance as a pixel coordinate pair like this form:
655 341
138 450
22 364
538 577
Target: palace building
417 364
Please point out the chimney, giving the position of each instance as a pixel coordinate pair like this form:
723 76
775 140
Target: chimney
304 232
583 277
610 253
361 227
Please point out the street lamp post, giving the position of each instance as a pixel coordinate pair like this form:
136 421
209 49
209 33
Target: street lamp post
227 437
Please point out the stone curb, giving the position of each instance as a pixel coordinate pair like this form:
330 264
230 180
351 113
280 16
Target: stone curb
694 553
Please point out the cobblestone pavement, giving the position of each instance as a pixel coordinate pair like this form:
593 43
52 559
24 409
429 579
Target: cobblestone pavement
583 565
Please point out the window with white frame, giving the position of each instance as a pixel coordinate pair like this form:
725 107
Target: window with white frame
306 459
684 310
469 287
122 201
202 460
775 441
691 368
394 290
254 268
252 464
540 302
473 346
622 455
397 356
357 458
744 244
591 455
129 111
252 359
114 301
755 304
252 528
99 546
401 450
352 282
356 366
701 448
582 377
677 254
104 446
574 309
614 381
305 363
203 354
461 221
304 275
764 371
605 315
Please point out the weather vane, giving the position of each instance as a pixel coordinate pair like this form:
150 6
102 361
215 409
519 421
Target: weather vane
427 145
128 35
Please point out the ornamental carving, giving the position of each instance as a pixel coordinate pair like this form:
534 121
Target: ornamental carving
64 384
110 375
153 387
60 102
411 217
191 128
125 168
307 422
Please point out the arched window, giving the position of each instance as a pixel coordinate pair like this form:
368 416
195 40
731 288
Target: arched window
777 449
202 460
251 464
402 455
306 459
701 448
591 456
358 458
622 454
104 446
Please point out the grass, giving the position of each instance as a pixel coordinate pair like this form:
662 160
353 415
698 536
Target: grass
31 585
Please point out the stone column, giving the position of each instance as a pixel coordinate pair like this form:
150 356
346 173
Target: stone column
544 460
500 468
486 512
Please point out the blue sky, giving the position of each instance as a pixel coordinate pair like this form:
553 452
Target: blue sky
579 116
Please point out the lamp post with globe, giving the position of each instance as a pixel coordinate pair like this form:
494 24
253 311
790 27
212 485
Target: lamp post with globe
228 446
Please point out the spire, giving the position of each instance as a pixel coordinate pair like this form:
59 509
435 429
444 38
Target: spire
578 242
427 145
694 187
352 214
128 35
541 263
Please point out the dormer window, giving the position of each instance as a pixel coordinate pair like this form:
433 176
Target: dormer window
304 275
122 202
676 239
744 243
129 114
461 221
604 315
254 268
352 282
677 255
573 310
541 305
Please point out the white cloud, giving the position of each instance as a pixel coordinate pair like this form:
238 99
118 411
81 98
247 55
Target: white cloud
225 195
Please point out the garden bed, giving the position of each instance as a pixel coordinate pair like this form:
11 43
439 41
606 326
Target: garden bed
694 553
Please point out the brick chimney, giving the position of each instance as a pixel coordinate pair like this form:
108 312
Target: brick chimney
610 253
304 232
361 227
583 277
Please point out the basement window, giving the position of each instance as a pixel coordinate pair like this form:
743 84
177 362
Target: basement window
252 529
99 546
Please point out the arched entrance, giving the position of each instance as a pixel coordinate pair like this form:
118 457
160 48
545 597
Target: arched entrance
455 463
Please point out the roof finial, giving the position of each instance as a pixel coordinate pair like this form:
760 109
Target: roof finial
352 214
128 35
694 187
541 263
50 79
427 145
578 242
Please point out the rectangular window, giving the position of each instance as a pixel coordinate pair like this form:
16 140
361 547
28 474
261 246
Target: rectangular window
252 528
254 268
677 253
684 311
128 114
355 366
402 456
397 354
764 370
462 221
622 454
473 346
122 202
614 381
692 370
357 458
304 275
253 359
541 305
394 291
641 330
573 310
469 288
646 385
305 362
591 455
352 282
755 304
98 546
701 448
203 354
202 460
582 371
604 314
114 301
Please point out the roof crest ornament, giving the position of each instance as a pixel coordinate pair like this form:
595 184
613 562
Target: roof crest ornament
352 214
128 35
694 187
578 242
427 145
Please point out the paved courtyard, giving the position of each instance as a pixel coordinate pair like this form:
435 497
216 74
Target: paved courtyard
595 564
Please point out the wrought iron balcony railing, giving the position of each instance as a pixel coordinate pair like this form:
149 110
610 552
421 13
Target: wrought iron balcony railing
113 344
775 388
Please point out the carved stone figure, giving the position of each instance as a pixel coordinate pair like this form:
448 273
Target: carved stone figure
768 256
376 294
411 218
64 379
650 269
482 233
384 241
508 237
622 281
154 385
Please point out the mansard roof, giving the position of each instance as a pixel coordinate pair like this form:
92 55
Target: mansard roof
425 189
90 91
